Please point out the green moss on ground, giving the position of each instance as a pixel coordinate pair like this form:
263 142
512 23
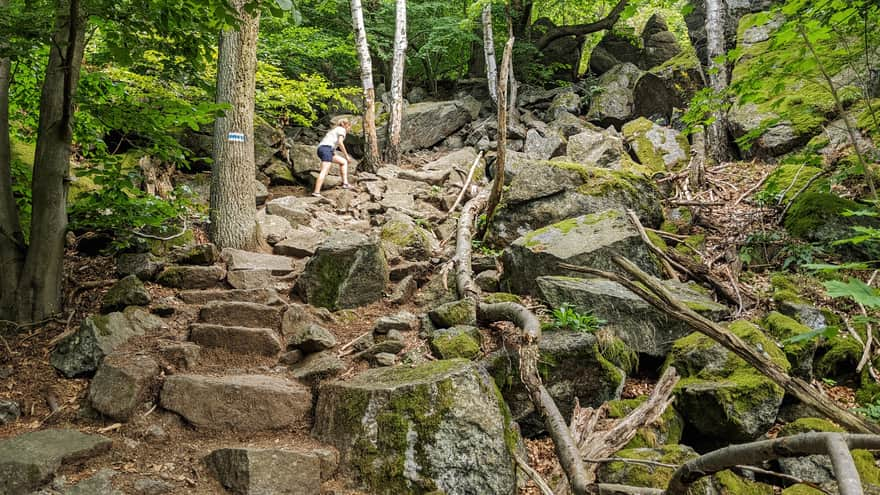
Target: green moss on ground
536 237
787 180
727 482
666 431
807 425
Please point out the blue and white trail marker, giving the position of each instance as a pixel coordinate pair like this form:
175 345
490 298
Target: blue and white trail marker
237 137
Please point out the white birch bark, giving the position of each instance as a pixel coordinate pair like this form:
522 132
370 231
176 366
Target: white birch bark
718 146
489 53
371 156
397 72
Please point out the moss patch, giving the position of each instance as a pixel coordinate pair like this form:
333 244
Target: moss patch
786 180
500 297
840 358
666 431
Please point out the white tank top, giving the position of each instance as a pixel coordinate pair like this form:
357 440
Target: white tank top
331 139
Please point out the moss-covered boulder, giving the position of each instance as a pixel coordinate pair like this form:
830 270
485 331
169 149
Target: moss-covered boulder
436 426
129 291
461 341
460 312
838 357
721 397
627 316
799 354
588 240
348 270
401 236
818 217
656 147
614 104
817 468
546 192
786 296
570 364
665 431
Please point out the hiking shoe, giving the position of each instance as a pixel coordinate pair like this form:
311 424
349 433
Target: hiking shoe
317 195
346 186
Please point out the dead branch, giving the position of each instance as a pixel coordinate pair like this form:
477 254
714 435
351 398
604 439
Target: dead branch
647 240
467 181
753 188
534 475
656 295
464 280
501 160
803 189
837 445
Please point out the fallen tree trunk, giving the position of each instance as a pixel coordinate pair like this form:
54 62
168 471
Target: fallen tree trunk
656 295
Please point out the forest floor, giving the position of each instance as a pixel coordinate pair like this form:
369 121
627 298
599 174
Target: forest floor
157 444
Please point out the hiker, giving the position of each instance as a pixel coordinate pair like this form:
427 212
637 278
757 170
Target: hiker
333 139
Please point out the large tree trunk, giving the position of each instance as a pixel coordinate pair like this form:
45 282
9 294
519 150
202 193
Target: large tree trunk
233 208
371 156
489 53
718 146
40 285
397 76
11 239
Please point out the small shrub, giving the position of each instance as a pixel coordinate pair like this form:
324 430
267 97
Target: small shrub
566 317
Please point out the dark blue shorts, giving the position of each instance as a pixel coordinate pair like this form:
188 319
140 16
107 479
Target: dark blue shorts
325 153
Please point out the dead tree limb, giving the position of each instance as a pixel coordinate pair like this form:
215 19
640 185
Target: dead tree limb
467 181
837 445
656 295
501 160
464 280
664 260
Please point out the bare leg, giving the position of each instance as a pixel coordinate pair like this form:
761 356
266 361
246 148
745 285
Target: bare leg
325 167
343 168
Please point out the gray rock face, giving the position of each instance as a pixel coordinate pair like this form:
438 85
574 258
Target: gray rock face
403 321
242 314
239 402
279 173
301 243
317 366
182 355
570 365
460 312
566 101
296 210
250 279
129 291
659 44
144 265
589 240
776 140
435 426
200 254
348 270
121 384
544 146
272 471
656 147
274 227
101 482
637 323
614 105
597 148
402 236
191 277
81 352
426 124
611 51
237 259
29 460
544 193
259 296
242 340
311 338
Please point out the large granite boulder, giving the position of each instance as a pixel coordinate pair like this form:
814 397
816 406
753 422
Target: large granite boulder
659 43
658 148
612 51
643 328
615 104
348 270
236 402
588 240
402 236
570 364
818 217
598 148
426 124
121 384
546 192
439 425
81 352
668 87
191 277
721 397
272 471
29 460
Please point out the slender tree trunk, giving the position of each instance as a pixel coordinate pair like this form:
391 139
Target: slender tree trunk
233 209
371 157
489 53
397 77
718 145
11 238
40 285
500 161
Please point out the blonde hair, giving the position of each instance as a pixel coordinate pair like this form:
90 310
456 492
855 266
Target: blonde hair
343 122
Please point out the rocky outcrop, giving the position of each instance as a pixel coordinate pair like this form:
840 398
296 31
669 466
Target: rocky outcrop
435 426
615 104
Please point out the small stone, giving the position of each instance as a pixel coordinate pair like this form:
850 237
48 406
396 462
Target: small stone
403 321
385 359
155 432
318 366
9 411
201 254
461 312
311 338
150 486
129 291
182 355
291 357
395 335
165 307
404 291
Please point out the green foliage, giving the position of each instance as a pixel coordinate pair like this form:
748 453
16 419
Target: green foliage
854 289
118 205
296 100
298 49
566 317
22 177
871 410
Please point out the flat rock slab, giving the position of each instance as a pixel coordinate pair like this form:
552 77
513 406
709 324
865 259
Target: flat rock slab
237 259
122 384
260 296
295 210
272 471
29 460
242 340
238 402
301 243
191 277
240 314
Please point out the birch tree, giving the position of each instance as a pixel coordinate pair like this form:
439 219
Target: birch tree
718 146
489 53
233 209
371 157
397 72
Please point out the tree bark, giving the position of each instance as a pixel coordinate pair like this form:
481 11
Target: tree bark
371 157
500 161
40 285
11 238
581 29
233 208
489 53
718 146
395 121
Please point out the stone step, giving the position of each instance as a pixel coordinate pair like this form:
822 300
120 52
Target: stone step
261 295
243 340
281 471
240 314
237 402
29 460
237 259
